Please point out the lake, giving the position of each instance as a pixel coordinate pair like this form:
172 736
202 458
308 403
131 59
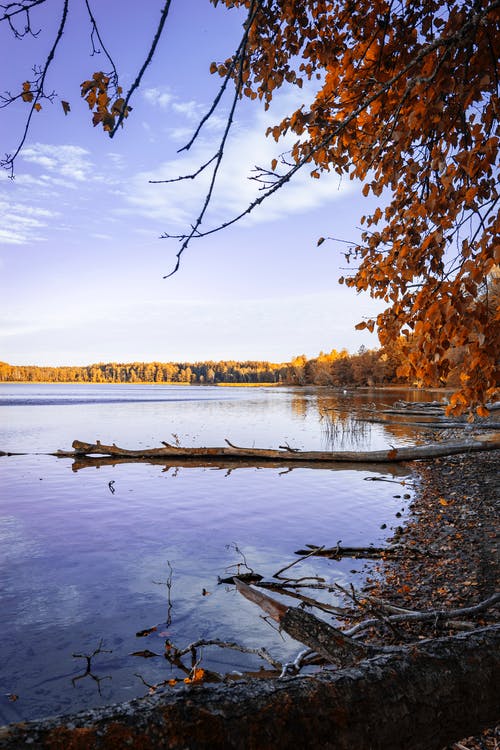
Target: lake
92 555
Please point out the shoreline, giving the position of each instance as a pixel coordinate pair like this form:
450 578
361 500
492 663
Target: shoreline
454 515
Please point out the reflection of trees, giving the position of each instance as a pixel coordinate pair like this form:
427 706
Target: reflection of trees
88 669
346 419
299 405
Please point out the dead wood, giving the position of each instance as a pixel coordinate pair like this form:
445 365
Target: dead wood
337 647
406 699
229 465
435 616
304 627
361 553
405 453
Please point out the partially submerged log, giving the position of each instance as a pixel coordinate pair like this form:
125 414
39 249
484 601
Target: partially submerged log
228 464
314 633
289 455
421 698
358 553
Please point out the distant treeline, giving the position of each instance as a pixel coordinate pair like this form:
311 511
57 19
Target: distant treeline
366 367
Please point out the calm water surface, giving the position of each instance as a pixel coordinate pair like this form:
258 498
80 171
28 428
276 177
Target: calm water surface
81 565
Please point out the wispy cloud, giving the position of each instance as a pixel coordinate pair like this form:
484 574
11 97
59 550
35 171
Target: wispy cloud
58 173
164 98
158 97
189 112
20 222
177 204
68 161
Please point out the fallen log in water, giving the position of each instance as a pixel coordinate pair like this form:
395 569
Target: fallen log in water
285 453
228 464
421 698
360 553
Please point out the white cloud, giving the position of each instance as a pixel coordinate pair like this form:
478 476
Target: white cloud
21 223
68 185
99 236
190 110
12 237
68 161
160 97
177 204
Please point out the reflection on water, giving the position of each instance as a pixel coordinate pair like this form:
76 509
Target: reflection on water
344 432
83 568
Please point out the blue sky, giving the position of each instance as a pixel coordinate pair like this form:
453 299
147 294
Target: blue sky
81 262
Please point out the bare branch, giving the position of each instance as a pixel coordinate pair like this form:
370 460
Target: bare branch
8 162
136 83
334 132
255 5
95 32
11 10
230 645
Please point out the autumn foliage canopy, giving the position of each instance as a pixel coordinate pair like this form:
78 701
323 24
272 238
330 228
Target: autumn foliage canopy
404 96
408 103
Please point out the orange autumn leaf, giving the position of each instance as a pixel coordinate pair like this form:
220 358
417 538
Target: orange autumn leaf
27 95
197 676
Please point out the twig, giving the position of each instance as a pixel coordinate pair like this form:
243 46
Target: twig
300 559
287 447
437 615
262 652
8 162
156 39
254 6
231 445
88 669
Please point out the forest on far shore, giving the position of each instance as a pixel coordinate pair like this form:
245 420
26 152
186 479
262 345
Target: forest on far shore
367 367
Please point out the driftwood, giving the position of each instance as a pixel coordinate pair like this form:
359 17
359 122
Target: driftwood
427 408
228 464
324 639
407 699
289 455
359 553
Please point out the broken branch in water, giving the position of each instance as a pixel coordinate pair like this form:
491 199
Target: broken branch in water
314 551
362 553
304 627
405 453
339 647
261 652
88 669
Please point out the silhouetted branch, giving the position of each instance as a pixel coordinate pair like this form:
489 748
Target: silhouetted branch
14 9
8 162
95 51
441 43
255 4
237 58
156 39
